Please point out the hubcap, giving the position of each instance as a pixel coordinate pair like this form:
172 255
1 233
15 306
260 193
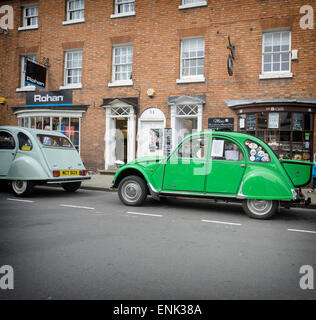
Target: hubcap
19 186
259 207
131 191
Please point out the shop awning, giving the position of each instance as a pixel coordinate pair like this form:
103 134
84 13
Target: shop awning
289 101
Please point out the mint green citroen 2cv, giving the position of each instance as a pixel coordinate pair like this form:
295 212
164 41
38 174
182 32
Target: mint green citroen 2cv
30 157
219 165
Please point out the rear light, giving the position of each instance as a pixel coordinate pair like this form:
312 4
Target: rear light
56 173
83 172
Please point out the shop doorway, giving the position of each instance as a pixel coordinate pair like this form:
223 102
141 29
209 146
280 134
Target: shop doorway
186 116
119 133
185 127
121 140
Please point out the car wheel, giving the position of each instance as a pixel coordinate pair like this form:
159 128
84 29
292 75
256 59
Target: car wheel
260 209
71 186
22 187
132 191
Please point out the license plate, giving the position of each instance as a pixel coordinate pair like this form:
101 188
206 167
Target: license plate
69 172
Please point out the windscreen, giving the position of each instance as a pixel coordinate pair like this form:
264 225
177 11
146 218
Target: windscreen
54 141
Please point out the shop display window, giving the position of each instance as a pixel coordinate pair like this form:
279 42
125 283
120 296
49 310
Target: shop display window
287 133
68 126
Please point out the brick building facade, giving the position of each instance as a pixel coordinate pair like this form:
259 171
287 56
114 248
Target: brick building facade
146 65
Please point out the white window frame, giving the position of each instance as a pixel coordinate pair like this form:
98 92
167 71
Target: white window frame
194 4
276 74
189 79
24 18
122 14
66 84
68 11
117 83
23 86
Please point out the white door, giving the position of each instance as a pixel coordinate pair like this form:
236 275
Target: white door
150 138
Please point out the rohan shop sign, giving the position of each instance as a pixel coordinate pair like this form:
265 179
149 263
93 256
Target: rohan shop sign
49 98
35 74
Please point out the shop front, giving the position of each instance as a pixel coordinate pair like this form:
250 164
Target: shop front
52 110
286 125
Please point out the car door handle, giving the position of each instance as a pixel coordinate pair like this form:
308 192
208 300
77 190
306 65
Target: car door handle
242 165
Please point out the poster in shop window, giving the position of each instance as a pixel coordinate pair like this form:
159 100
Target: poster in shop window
251 122
155 139
273 120
167 141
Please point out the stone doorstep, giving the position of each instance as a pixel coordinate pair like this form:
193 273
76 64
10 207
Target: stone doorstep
109 171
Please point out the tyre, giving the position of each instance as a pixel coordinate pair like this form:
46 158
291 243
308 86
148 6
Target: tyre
132 191
71 186
22 187
260 209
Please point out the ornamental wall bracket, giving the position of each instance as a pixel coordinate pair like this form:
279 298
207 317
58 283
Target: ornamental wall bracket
230 57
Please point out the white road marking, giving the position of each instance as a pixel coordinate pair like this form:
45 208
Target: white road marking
19 200
222 222
305 231
145 214
78 207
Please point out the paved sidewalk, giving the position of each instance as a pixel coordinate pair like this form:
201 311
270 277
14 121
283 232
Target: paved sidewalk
102 182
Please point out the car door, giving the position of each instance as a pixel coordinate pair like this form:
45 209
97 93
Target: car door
7 152
225 166
185 168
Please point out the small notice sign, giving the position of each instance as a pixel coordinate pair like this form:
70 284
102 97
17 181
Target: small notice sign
217 148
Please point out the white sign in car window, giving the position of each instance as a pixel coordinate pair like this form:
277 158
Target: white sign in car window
273 120
217 148
232 155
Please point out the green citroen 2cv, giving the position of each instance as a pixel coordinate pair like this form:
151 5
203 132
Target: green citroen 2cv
210 164
30 157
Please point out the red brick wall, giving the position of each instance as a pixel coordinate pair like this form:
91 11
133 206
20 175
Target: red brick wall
155 33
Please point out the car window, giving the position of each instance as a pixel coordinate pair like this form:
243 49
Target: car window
224 149
6 140
256 152
54 141
193 148
25 143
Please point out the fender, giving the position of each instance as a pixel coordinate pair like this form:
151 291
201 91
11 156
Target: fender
131 169
25 167
265 184
127 170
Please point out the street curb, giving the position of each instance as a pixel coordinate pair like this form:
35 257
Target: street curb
97 188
